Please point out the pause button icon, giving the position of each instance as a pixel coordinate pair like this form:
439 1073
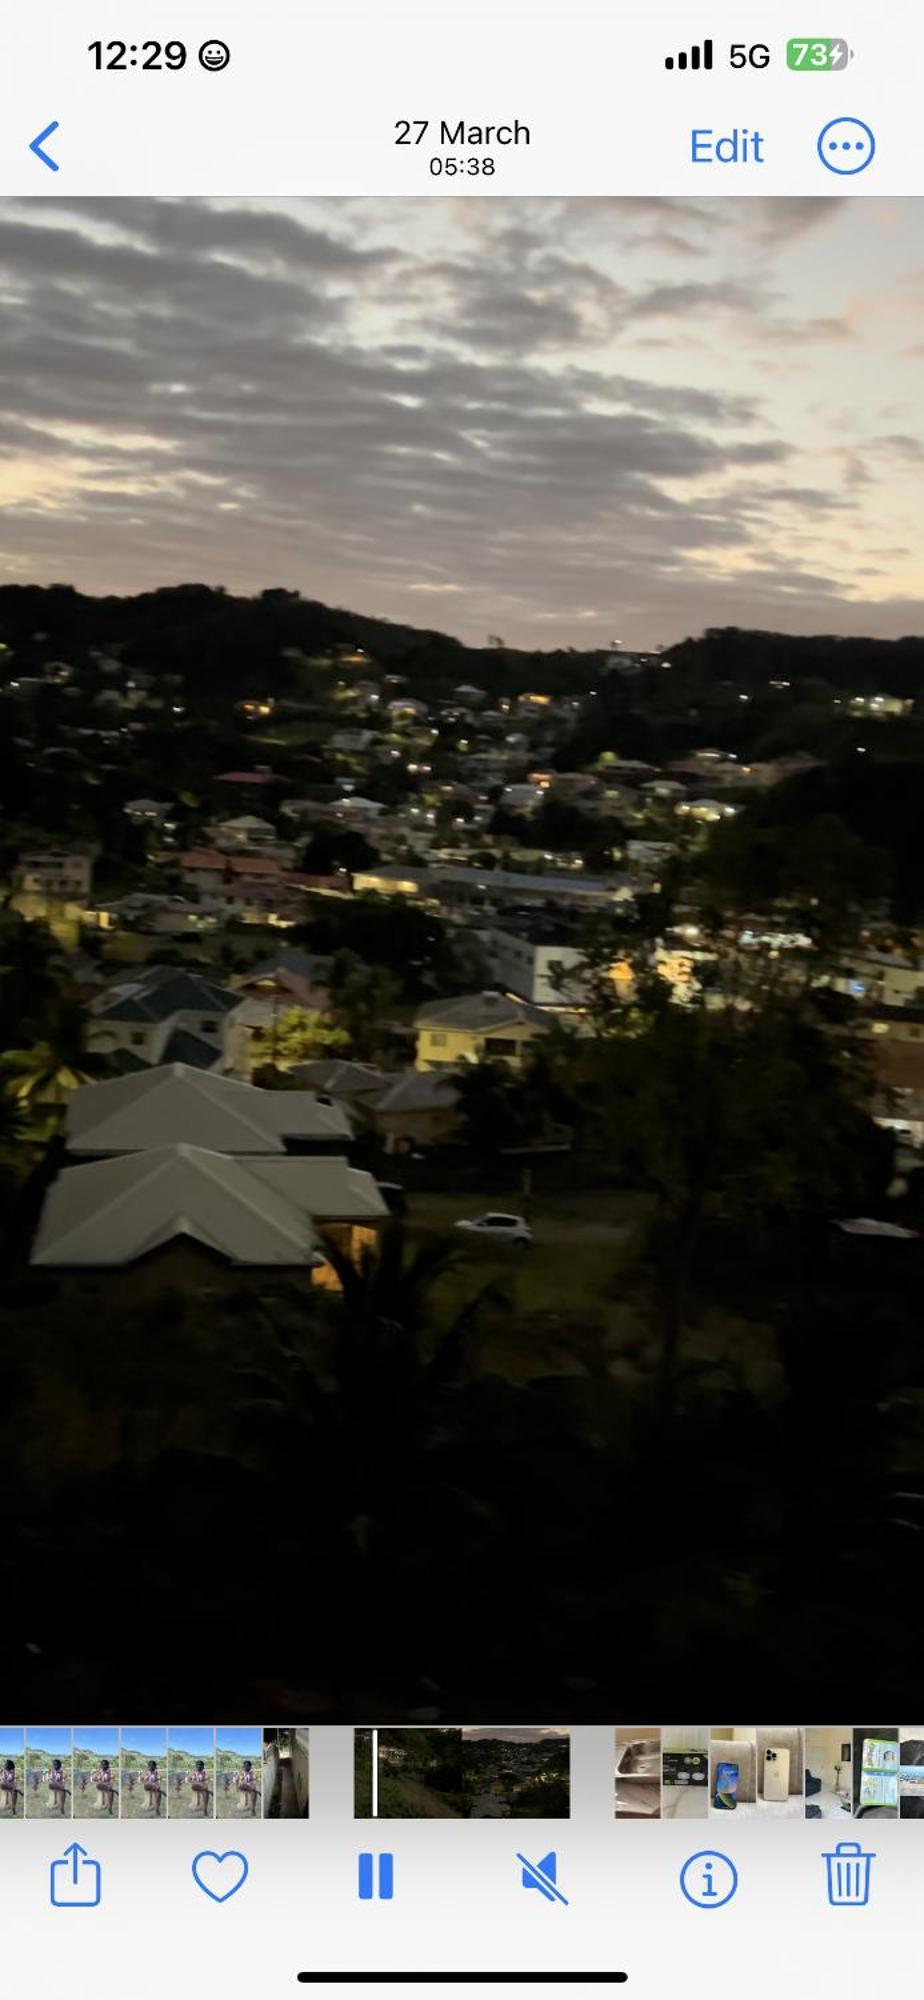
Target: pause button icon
376 1880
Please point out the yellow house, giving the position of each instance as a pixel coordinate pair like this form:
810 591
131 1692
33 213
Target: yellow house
481 1027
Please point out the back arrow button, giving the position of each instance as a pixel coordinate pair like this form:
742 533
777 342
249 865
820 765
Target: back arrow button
36 146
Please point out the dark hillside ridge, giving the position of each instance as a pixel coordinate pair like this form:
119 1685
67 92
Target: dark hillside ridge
222 643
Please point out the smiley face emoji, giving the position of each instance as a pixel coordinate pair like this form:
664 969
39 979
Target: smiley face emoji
214 55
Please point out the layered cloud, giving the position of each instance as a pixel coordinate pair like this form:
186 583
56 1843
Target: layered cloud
566 420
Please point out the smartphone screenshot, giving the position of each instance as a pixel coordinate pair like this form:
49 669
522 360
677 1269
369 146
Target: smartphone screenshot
461 999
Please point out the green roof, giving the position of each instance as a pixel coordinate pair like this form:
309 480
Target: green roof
184 1047
125 1062
162 990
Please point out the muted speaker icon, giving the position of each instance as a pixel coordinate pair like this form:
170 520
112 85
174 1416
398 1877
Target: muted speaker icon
542 1875
698 57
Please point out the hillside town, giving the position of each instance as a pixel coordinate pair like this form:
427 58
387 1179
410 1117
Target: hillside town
470 1773
539 1016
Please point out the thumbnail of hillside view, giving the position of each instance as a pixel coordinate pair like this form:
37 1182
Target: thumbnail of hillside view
487 1773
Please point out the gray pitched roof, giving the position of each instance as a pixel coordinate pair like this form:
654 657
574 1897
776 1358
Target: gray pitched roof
175 1103
340 1079
418 1090
252 1212
479 1013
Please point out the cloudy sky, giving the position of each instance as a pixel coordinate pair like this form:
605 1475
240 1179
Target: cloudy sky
558 421
511 1735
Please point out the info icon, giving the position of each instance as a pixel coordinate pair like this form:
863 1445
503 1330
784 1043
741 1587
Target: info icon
708 1879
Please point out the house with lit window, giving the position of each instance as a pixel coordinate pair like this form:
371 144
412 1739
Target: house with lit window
246 833
480 1027
150 813
57 874
253 888
192 1209
890 979
197 1173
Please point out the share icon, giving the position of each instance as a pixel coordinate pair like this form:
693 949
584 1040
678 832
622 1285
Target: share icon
541 1875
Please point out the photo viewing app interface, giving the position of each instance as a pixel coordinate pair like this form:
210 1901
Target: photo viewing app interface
461 999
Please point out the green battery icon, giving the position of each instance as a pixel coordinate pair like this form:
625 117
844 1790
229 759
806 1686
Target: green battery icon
817 54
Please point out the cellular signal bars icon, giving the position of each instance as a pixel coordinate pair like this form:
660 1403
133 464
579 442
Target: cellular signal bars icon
695 58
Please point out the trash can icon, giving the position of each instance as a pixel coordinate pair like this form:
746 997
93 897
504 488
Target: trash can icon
848 1875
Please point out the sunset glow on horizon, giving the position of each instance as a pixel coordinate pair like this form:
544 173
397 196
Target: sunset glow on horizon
565 422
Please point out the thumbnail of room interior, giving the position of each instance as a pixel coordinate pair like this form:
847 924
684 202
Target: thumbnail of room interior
828 1767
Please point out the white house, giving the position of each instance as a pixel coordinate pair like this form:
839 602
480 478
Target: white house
243 834
63 873
163 1013
876 977
524 965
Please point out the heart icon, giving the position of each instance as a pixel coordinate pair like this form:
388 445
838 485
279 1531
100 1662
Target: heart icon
220 1875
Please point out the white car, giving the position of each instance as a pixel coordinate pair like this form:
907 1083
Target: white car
500 1228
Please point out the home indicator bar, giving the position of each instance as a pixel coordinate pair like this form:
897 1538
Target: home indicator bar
463 1978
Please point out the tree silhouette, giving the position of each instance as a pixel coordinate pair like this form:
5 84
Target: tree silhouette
42 1075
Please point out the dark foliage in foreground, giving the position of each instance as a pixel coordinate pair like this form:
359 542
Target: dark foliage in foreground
371 1522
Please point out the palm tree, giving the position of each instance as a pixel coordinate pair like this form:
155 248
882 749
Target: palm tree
386 1330
380 1337
42 1075
12 1124
14 1161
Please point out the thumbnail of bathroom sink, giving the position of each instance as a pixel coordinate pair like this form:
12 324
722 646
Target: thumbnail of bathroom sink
640 1761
